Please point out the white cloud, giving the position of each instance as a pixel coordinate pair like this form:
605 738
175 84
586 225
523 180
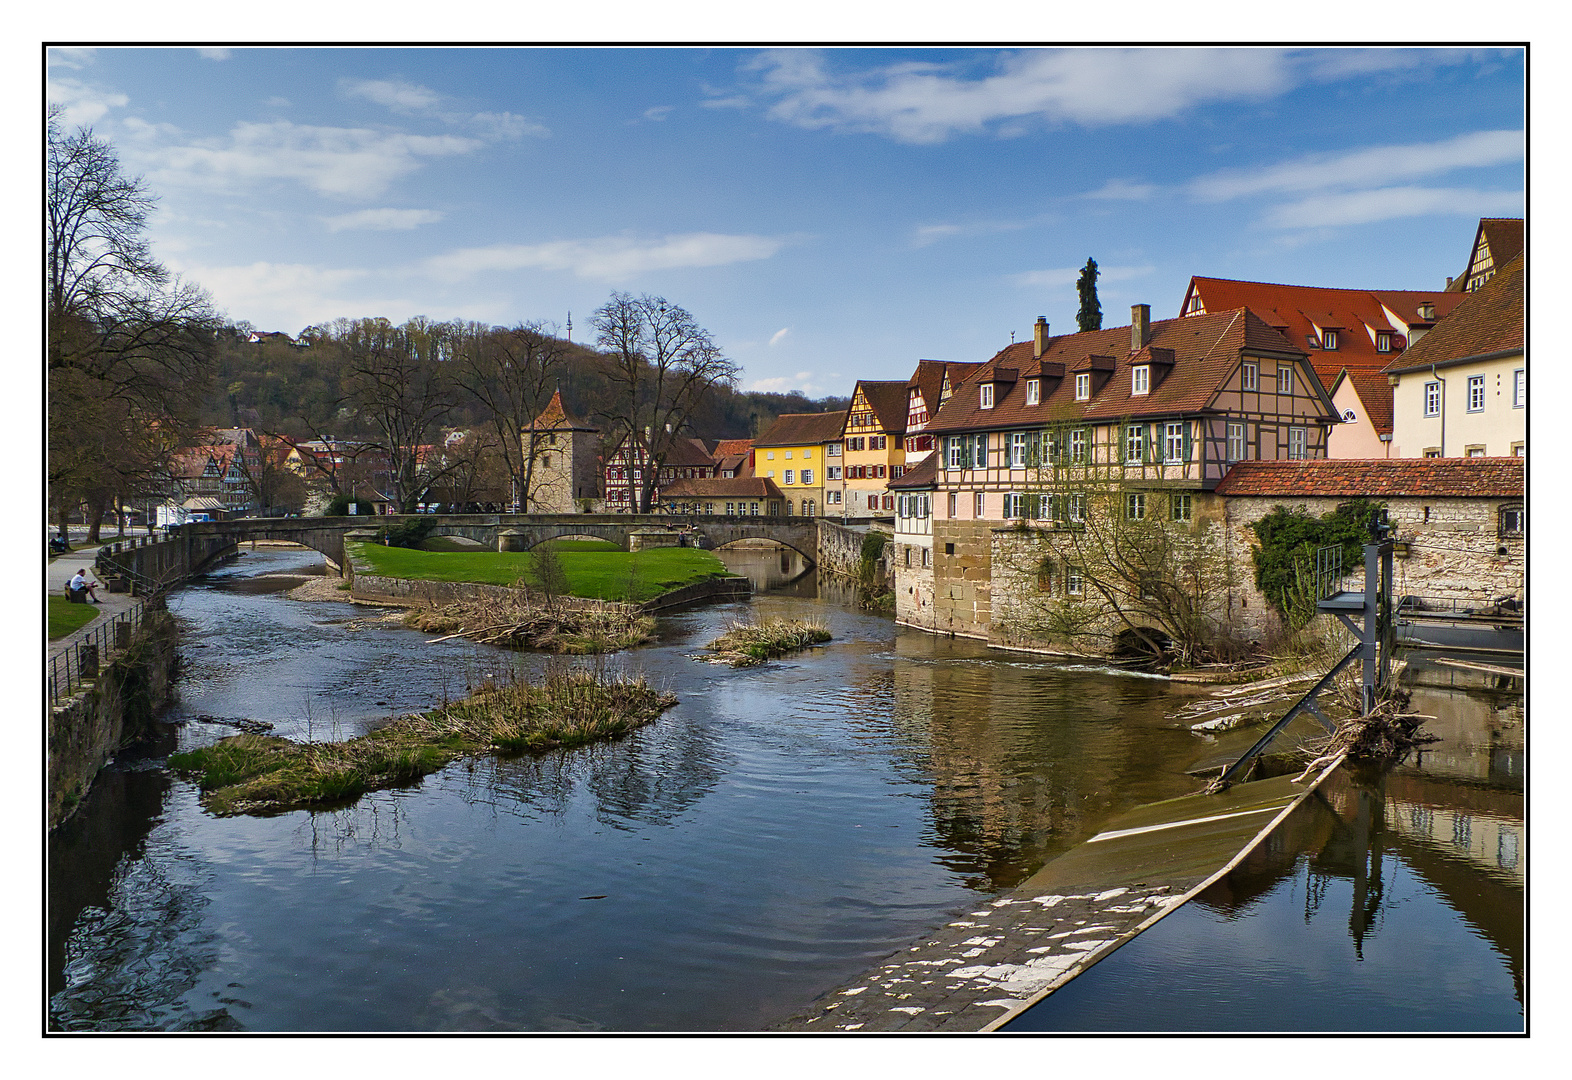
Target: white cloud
383 219
607 258
924 235
1385 204
401 97
289 295
81 104
411 99
73 57
928 103
213 53
1068 275
658 112
918 102
779 336
1375 165
1124 190
345 162
785 384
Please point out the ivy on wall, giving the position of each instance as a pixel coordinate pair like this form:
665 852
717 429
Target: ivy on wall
1288 542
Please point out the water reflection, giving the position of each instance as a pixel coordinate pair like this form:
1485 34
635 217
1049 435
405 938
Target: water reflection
1390 902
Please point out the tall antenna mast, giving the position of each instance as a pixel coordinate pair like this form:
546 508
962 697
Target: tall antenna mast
570 326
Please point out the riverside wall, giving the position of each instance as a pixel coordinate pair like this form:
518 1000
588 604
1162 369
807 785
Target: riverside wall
840 550
86 730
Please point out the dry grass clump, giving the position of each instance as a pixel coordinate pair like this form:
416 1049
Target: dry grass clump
259 774
747 643
566 630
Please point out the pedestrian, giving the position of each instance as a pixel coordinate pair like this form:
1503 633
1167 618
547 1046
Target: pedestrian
79 583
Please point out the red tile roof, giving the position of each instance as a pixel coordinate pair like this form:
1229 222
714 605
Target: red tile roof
925 474
929 378
1489 320
803 429
728 447
555 416
737 487
1433 478
1205 351
1504 238
1298 309
888 402
1375 394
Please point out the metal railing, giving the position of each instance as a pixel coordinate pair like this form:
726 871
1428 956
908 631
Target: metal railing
81 662
1328 570
1502 607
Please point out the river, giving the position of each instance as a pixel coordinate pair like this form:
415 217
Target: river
774 834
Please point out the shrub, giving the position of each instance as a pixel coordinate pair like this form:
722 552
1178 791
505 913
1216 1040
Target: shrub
1289 539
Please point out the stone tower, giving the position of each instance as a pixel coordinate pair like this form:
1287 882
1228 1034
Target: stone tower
565 452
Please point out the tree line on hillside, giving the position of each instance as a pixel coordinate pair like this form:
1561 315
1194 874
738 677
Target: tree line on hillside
140 365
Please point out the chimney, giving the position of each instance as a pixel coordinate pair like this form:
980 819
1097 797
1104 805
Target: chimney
1140 326
1039 337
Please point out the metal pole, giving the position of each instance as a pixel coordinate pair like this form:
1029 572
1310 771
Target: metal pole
1368 632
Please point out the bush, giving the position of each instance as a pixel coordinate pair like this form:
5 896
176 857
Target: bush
409 534
1284 561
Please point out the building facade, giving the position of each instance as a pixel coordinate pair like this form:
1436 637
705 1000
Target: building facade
798 453
874 447
564 476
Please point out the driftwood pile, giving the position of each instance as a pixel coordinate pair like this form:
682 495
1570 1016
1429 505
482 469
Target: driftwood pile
1384 735
562 629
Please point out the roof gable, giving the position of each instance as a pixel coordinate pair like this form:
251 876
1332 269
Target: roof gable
1487 320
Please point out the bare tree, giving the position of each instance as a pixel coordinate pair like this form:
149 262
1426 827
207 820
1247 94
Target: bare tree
662 366
511 372
129 346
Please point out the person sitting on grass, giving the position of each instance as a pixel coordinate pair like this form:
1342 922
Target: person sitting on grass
80 584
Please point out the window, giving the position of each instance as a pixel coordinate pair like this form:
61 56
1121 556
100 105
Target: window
1078 446
1194 307
1077 507
951 511
1140 379
770 473
949 549
1083 386
980 452
1249 376
788 475
1014 504
1519 388
1033 391
788 455
1174 448
731 509
1432 399
832 497
834 472
1473 451
770 455
875 442
1519 449
1134 443
1236 441
1512 521
1179 505
807 476
1329 340
1018 450
1072 580
1298 440
957 451
906 550
878 472
897 470
834 449
1476 393
927 556
788 508
1285 380
1431 451
806 454
1135 505
987 395
1383 341
979 508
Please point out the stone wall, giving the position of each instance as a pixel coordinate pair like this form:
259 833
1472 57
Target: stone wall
1455 547
86 730
913 585
840 550
962 577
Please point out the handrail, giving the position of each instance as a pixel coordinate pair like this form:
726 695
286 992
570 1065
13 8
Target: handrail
68 670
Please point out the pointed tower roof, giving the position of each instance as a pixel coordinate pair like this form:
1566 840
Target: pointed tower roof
554 417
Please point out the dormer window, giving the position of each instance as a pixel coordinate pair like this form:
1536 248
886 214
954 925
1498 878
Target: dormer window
1033 391
1427 311
1383 341
987 395
1329 340
1083 386
1140 379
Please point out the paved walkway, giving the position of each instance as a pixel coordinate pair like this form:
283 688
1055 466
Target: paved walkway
988 966
58 572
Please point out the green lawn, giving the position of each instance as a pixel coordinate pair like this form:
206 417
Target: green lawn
65 616
595 569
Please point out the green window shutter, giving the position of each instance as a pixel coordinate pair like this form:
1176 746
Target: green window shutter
1186 450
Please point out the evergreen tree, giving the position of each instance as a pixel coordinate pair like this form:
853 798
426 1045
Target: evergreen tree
1090 317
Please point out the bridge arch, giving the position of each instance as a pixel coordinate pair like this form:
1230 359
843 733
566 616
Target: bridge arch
809 555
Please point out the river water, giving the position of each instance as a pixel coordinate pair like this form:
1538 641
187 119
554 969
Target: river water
774 834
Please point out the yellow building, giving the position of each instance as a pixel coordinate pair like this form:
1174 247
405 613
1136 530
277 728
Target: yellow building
875 449
1462 390
796 453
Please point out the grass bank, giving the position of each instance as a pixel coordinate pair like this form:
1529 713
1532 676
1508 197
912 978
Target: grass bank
260 774
66 617
746 644
593 571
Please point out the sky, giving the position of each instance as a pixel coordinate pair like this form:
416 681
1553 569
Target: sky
828 214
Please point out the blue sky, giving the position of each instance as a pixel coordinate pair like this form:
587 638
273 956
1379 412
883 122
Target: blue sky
828 214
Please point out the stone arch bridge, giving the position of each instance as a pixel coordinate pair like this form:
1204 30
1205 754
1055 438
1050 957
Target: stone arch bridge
207 541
